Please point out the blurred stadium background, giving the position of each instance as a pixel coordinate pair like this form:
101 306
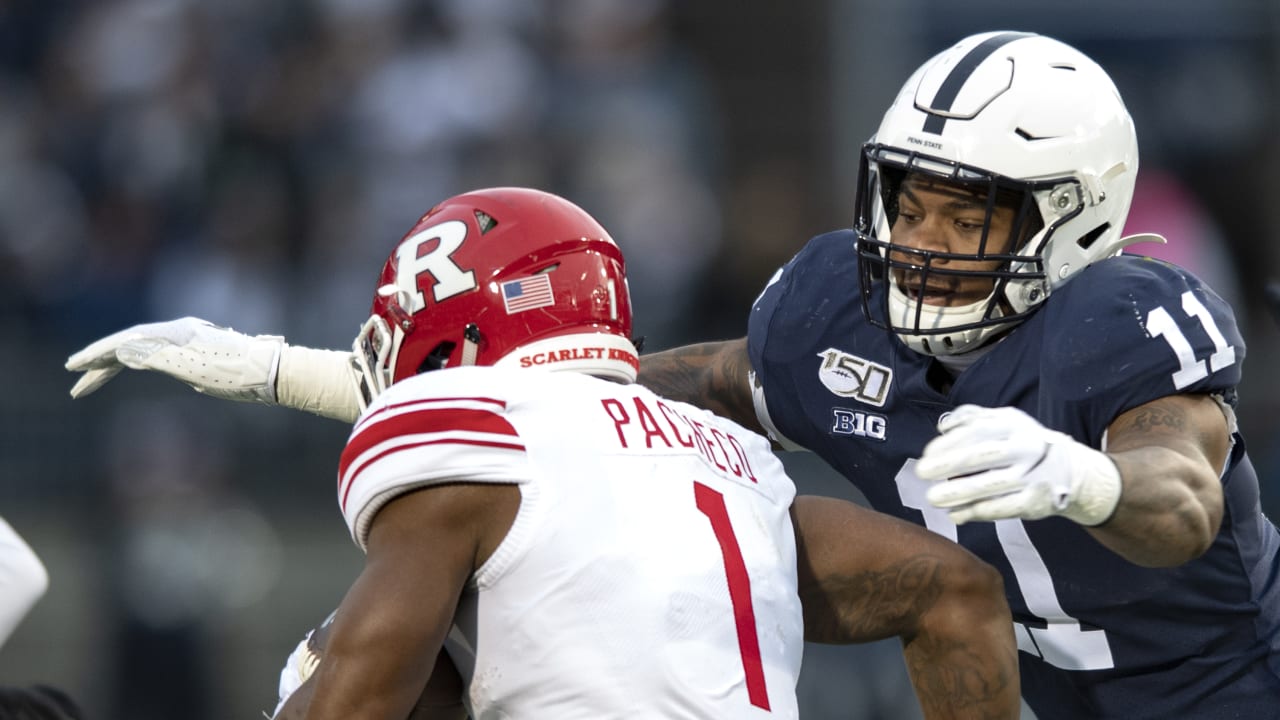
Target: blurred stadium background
253 163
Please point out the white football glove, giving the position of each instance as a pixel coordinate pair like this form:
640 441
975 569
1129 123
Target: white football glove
214 360
302 662
997 463
226 364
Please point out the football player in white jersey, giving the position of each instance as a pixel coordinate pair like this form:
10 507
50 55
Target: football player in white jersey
23 579
577 545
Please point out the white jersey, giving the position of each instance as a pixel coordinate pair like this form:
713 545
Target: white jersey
651 569
23 579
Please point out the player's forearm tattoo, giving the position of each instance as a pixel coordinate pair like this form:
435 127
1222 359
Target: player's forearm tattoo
955 677
948 673
676 374
710 375
868 604
960 675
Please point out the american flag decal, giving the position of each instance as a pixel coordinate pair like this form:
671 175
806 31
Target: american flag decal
527 293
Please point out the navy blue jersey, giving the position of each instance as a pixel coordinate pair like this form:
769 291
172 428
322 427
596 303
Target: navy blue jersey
1100 637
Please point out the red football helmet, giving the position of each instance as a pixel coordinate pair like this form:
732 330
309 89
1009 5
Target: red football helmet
501 276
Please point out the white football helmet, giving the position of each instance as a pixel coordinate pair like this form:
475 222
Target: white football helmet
1012 115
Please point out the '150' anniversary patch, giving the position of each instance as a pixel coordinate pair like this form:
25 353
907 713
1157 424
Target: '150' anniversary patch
854 377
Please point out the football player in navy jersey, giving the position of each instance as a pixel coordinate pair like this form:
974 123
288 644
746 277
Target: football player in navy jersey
977 356
1061 409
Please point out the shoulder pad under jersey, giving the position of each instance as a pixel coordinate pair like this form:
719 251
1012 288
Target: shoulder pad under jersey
1131 329
442 426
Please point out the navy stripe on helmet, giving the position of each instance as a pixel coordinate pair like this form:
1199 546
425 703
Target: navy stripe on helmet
950 87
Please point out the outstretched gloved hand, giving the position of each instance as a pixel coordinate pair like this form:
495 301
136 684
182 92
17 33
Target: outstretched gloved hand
223 363
214 360
994 463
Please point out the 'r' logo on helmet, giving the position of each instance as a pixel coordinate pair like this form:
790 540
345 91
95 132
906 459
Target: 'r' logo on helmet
411 262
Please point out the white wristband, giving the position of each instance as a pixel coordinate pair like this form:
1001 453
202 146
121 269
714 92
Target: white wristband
317 381
1096 485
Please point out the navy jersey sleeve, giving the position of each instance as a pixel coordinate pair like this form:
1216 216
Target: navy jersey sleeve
794 310
1130 330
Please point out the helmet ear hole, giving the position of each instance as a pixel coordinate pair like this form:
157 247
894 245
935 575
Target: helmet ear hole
438 357
1089 238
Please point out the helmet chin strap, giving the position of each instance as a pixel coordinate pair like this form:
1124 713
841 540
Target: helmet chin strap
902 313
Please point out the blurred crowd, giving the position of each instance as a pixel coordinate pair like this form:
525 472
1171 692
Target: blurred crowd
253 163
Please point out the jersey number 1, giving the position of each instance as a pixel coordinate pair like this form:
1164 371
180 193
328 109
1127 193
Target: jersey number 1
1061 640
711 503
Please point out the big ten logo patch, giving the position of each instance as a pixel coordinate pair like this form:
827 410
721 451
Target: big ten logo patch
854 377
858 423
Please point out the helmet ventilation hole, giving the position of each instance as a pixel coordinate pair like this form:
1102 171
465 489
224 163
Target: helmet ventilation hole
485 221
1026 135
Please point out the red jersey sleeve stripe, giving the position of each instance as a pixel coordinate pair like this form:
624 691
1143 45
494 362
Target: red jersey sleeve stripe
417 422
398 448
381 412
